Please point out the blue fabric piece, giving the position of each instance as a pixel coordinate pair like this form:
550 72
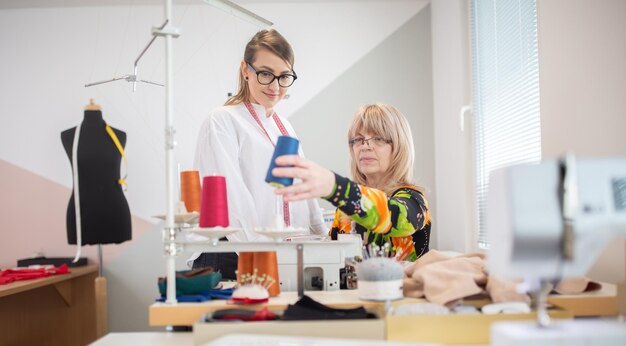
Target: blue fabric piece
226 293
202 296
195 298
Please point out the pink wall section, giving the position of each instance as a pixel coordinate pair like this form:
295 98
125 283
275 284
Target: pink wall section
32 219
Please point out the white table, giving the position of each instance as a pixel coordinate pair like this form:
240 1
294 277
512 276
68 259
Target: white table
146 338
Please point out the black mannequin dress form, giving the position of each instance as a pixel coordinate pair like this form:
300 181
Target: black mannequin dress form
105 215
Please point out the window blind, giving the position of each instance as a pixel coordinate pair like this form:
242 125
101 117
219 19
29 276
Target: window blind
505 91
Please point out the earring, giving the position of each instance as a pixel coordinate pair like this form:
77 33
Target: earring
246 77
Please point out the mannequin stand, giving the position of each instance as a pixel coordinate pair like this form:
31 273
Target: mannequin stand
101 298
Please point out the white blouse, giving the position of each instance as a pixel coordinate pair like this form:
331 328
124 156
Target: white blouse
231 143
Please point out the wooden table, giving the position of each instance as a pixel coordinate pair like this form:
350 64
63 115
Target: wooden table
186 314
57 310
599 303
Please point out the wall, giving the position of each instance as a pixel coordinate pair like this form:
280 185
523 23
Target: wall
453 147
582 60
52 48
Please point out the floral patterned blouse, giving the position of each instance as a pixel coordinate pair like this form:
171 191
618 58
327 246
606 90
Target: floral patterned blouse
402 219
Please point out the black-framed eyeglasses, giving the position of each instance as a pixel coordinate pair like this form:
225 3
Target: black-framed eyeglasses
265 77
376 141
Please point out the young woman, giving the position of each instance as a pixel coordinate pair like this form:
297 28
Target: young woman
237 141
380 203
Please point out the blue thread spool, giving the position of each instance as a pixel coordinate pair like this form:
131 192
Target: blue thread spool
284 146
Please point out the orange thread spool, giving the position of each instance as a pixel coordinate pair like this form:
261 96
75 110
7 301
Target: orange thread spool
245 264
190 189
265 263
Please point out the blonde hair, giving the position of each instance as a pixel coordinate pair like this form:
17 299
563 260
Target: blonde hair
386 121
270 40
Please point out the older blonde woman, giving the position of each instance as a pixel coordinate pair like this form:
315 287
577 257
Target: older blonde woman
381 203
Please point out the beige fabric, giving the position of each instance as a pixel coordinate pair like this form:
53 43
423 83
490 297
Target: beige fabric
444 280
576 286
430 257
434 256
501 290
453 279
412 288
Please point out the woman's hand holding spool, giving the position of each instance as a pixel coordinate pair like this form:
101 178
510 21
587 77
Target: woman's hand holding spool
316 181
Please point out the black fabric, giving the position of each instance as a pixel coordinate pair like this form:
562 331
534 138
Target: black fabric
55 261
105 215
308 309
225 263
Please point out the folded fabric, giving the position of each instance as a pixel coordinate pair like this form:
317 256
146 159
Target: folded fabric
309 309
192 282
445 280
243 315
190 298
434 256
577 285
420 309
450 281
465 309
4 280
430 257
506 308
10 275
202 296
225 293
501 290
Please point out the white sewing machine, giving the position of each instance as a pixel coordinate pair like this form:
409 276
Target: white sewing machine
549 221
322 261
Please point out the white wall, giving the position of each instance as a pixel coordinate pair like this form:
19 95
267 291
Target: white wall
453 153
582 64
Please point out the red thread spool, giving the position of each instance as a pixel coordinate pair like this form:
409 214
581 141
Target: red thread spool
214 205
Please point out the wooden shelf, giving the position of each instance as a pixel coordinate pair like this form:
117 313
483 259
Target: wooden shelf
56 310
26 285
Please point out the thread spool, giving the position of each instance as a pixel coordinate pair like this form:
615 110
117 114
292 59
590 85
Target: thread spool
245 264
284 146
214 205
190 189
267 263
264 263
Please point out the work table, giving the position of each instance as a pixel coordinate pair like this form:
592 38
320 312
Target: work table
598 303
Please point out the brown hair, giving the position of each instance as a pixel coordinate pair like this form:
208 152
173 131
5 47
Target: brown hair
386 121
270 40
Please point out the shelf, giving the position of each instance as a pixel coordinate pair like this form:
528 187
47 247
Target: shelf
228 246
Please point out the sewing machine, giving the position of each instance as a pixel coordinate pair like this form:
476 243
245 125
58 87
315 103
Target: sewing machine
550 221
321 263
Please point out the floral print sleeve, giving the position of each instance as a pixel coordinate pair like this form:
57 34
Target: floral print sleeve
402 219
